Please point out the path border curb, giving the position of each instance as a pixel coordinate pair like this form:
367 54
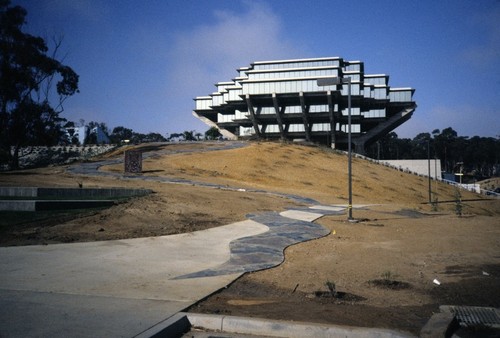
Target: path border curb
182 322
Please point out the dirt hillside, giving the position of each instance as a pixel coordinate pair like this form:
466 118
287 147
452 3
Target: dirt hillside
382 268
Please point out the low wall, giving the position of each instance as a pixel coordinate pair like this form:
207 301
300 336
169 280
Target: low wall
72 192
419 167
22 205
37 156
63 198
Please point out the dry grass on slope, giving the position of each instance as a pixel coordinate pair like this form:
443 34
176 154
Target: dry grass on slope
313 172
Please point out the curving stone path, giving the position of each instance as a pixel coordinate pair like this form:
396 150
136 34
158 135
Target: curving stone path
266 250
251 253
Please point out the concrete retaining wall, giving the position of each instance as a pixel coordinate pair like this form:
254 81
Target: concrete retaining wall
18 191
72 192
22 205
83 197
17 205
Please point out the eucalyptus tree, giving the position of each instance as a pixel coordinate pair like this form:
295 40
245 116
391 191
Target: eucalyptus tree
29 103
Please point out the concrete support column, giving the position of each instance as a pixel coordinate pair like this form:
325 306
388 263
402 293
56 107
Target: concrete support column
305 116
332 119
278 116
252 115
359 147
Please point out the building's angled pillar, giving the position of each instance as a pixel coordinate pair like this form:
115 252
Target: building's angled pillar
278 116
359 147
332 119
252 115
305 116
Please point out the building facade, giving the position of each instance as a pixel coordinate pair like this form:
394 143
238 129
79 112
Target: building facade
282 100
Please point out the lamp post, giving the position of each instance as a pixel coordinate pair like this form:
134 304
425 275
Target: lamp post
429 168
330 81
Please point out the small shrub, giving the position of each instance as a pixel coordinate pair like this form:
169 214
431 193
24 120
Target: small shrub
332 288
387 275
435 204
458 202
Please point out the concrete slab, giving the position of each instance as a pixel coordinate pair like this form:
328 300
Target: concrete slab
331 208
301 215
48 314
110 288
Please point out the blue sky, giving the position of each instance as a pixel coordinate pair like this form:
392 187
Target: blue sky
141 63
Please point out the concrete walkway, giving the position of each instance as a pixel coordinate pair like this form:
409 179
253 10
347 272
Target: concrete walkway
122 288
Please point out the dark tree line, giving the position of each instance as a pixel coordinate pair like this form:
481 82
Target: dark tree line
478 156
119 134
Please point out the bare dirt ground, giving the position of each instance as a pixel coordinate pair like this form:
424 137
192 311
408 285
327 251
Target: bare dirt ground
380 270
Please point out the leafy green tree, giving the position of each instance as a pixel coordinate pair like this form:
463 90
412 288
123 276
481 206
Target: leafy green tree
189 135
479 156
120 134
213 133
174 136
154 137
419 146
445 145
26 75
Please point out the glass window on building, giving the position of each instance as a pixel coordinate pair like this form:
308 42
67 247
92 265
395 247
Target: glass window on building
293 110
320 108
355 128
267 110
225 117
296 128
400 96
353 67
234 94
354 111
380 93
374 113
246 131
320 127
240 115
355 88
272 128
203 103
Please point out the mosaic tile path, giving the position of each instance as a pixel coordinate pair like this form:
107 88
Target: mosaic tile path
266 250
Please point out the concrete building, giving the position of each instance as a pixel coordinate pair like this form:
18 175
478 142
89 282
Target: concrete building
282 100
81 134
76 133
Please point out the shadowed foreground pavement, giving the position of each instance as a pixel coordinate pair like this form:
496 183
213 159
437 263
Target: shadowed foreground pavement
121 288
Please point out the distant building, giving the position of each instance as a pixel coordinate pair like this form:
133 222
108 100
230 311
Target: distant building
101 136
76 133
81 133
282 100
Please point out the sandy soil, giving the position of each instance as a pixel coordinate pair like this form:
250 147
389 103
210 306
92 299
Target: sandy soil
382 268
